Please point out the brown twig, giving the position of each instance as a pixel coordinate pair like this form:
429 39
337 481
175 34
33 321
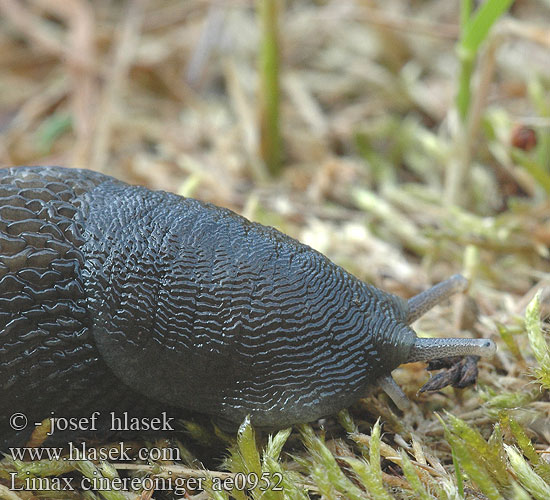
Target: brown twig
42 35
123 54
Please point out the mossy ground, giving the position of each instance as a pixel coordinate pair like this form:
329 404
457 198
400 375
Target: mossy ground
381 169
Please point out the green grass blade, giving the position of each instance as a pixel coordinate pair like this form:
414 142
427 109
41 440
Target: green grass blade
477 28
474 32
270 138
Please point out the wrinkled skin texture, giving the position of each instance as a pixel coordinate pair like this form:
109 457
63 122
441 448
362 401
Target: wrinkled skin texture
187 304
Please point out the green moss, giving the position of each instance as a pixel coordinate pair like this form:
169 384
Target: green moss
538 342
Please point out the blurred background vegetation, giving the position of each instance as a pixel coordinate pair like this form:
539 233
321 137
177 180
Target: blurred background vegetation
406 140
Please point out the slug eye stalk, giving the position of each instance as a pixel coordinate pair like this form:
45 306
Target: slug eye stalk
423 302
429 349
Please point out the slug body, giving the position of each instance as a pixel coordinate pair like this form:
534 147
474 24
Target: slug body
186 304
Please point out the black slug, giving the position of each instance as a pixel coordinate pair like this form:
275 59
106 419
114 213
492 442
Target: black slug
112 294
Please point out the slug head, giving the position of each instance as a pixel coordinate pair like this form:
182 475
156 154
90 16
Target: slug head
412 348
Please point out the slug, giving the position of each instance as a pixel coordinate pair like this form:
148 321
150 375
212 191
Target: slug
112 294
